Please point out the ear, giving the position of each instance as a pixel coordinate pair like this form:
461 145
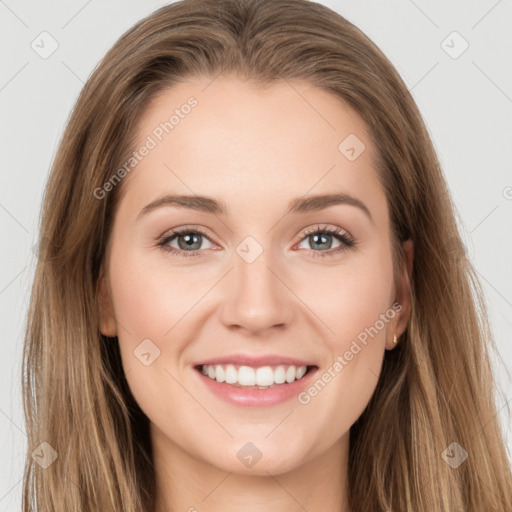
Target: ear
108 324
403 296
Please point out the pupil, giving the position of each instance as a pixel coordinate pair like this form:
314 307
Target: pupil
323 240
190 240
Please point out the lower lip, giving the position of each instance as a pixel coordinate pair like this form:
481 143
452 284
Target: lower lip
256 397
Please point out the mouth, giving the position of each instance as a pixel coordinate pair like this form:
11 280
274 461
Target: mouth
255 377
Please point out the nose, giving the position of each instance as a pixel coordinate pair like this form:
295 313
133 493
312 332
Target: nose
256 296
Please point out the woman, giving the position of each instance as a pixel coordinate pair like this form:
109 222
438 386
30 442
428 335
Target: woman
191 344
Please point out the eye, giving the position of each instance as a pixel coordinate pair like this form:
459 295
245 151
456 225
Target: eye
321 238
189 241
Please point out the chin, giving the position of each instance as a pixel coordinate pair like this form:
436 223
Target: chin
248 459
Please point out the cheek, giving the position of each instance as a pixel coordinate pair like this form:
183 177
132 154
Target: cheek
354 302
148 300
351 297
156 307
150 308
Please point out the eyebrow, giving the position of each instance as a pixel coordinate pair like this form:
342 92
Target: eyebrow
218 207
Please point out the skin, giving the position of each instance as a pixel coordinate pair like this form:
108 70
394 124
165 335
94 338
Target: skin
256 150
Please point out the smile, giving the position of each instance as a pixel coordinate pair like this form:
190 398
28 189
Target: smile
262 377
255 386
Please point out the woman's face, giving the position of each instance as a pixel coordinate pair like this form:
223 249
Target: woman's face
255 282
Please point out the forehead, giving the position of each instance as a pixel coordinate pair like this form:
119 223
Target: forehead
235 139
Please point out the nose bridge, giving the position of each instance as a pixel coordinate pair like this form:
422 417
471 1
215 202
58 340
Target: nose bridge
256 298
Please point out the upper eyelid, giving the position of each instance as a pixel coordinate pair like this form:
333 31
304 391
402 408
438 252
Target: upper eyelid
186 229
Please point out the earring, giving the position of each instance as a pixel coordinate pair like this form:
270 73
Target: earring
394 339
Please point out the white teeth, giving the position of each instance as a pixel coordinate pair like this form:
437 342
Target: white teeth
246 376
280 375
219 373
301 371
265 376
290 374
231 374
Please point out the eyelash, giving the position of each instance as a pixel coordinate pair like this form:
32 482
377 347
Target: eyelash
346 241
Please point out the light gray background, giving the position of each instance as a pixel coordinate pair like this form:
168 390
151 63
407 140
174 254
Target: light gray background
466 103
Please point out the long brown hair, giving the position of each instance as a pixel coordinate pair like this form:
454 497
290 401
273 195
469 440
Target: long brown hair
436 387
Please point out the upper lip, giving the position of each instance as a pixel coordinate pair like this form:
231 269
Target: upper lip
261 360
